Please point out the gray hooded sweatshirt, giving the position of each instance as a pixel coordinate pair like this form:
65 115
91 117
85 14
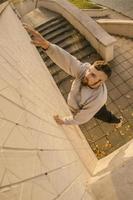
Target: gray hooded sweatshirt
83 101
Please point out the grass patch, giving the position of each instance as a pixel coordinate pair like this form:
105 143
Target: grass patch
84 4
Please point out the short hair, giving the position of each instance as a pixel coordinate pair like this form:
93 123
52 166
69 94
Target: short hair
104 68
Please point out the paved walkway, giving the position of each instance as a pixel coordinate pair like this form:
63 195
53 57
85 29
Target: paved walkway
123 6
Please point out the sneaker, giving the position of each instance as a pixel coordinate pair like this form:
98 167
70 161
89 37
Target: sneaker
118 125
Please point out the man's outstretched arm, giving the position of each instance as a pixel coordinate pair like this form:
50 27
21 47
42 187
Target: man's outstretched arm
81 117
58 55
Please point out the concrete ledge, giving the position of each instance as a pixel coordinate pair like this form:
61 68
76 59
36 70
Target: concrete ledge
98 38
117 27
3 7
102 12
114 174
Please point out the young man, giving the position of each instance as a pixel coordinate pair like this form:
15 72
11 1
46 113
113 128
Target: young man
88 93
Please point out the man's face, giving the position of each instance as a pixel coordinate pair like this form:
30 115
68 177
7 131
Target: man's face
94 78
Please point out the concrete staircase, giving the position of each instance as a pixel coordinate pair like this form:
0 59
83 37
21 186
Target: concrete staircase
59 31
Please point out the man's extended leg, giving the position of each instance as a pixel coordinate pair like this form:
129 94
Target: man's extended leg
106 116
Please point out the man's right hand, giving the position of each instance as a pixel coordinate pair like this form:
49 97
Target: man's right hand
37 39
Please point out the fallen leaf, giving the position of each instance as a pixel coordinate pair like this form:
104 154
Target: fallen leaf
128 96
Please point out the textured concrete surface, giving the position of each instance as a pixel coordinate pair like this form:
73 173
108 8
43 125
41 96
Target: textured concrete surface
37 158
122 6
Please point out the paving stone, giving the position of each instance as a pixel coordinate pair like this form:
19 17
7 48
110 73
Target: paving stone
131 51
118 69
128 113
102 146
114 94
128 55
129 96
113 73
126 64
127 46
116 80
91 124
113 62
122 102
96 133
125 75
130 71
130 83
110 85
131 60
113 107
87 135
123 88
116 139
120 58
107 128
109 100
126 132
113 148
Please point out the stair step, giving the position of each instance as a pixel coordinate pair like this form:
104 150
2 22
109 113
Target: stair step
83 53
49 23
65 37
71 41
54 70
68 77
65 86
77 47
91 58
58 33
54 28
60 76
68 35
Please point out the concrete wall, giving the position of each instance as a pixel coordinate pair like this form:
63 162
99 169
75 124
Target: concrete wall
38 158
101 12
117 26
113 176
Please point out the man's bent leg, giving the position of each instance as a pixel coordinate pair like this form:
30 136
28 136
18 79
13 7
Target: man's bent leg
106 116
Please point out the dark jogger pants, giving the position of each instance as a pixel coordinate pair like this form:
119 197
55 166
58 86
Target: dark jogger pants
106 116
